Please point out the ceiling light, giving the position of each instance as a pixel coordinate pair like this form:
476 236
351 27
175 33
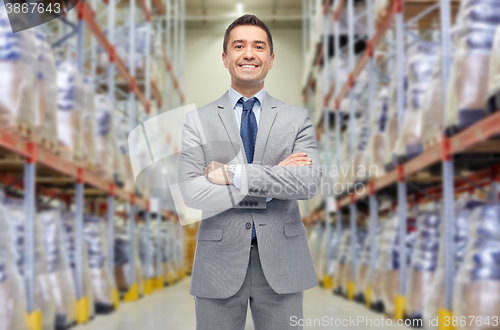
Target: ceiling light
239 8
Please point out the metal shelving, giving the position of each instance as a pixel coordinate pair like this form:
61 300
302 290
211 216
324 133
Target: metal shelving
88 184
402 182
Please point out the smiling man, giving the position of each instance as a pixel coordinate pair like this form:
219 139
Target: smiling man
253 248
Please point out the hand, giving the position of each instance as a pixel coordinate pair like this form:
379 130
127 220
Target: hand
297 159
216 173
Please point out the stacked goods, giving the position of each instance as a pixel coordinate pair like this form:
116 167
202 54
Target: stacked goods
388 263
158 65
391 132
360 149
18 64
431 114
344 172
376 148
60 275
190 245
333 253
319 96
345 243
123 275
166 252
162 250
431 128
423 264
89 123
123 37
123 47
494 76
375 279
46 94
382 8
70 103
476 25
347 276
477 284
12 295
121 162
172 249
321 255
155 243
389 260
363 273
102 284
43 299
435 300
147 252
104 137
421 61
343 70
68 221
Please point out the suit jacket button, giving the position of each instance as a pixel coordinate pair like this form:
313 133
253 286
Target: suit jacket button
248 225
256 203
246 203
241 203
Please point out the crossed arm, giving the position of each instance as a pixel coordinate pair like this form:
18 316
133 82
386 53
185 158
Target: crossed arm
296 177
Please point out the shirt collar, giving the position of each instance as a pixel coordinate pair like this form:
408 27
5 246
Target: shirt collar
234 96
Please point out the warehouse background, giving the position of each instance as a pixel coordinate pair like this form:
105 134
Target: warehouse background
409 86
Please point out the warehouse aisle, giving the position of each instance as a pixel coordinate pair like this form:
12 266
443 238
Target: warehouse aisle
173 308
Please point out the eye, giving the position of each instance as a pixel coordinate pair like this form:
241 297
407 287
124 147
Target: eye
238 46
260 47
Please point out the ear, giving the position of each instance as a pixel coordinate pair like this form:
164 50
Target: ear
224 60
271 61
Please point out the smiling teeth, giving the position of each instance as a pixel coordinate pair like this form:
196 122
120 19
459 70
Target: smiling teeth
249 66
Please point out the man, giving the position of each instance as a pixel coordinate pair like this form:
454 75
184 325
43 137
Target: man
245 161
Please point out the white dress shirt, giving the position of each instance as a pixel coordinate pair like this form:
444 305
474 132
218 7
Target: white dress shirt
234 96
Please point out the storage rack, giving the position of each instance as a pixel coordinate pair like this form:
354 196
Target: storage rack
90 18
402 180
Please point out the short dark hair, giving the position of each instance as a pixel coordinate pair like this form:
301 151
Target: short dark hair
247 20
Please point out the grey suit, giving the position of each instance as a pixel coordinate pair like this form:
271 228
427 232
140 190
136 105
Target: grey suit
223 248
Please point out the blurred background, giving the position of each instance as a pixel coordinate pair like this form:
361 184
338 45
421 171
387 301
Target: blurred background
403 95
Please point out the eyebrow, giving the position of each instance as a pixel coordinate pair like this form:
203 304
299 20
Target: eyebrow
242 41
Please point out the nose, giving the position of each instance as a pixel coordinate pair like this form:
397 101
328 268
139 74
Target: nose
248 55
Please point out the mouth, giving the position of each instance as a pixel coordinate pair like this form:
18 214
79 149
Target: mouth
248 66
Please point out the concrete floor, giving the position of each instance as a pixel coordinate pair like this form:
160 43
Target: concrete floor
173 308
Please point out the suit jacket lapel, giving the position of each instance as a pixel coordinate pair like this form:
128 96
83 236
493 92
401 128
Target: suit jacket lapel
266 121
226 114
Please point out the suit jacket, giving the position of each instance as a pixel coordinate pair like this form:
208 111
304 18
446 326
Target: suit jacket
224 235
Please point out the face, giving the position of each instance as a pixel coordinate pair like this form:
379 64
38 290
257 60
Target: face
248 55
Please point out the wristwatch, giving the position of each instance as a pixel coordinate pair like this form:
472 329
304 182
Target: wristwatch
231 171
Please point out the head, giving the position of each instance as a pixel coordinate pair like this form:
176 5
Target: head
248 53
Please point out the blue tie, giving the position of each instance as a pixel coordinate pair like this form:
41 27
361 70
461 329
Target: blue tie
248 133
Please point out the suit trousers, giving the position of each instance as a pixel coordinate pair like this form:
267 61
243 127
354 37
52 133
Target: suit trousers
270 311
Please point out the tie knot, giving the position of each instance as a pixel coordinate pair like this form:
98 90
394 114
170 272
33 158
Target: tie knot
248 104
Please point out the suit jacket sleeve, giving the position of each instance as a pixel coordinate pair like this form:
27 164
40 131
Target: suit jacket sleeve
287 182
196 190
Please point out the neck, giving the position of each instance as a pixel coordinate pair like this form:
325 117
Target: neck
246 91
